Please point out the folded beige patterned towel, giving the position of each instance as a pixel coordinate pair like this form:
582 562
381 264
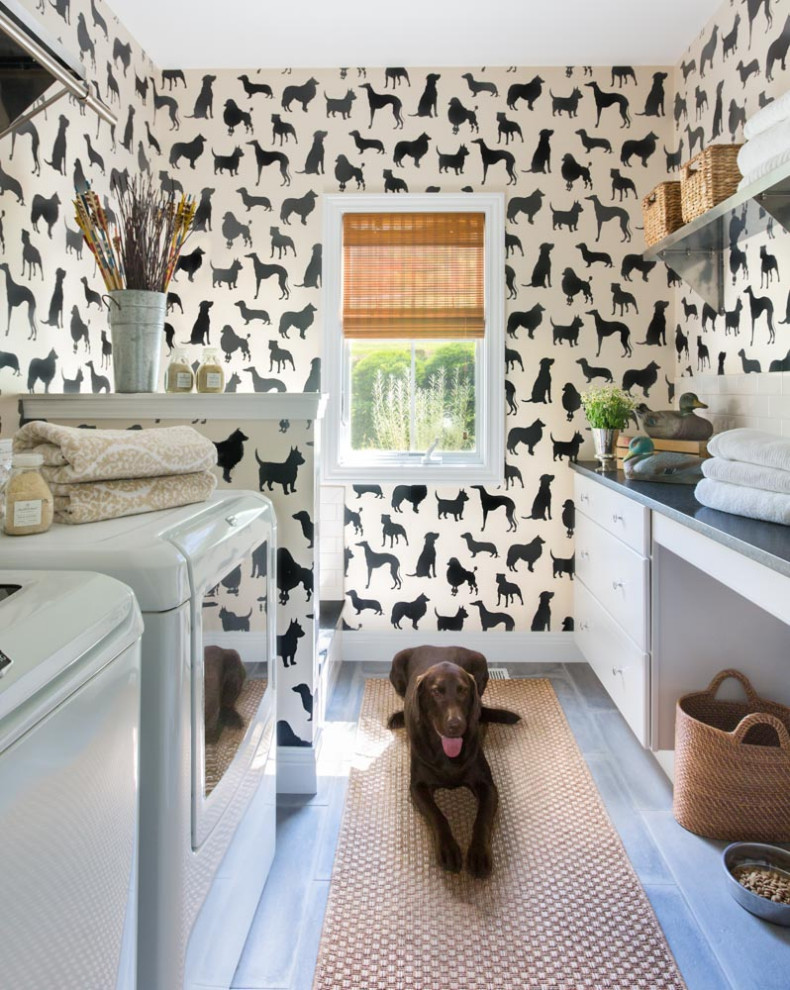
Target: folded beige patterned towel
91 501
74 455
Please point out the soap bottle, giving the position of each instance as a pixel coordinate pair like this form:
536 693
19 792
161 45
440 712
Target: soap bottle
179 377
29 506
210 375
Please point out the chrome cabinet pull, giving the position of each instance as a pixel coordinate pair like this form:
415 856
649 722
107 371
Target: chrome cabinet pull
584 498
584 555
617 584
617 518
617 670
584 626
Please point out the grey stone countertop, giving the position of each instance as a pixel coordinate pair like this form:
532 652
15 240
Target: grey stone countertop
767 543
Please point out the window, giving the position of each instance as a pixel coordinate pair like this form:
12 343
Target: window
414 339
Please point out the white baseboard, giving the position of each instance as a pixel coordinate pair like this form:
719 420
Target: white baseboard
296 768
515 647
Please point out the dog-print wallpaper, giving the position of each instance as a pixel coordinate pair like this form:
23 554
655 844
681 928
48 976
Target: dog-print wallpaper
736 65
574 150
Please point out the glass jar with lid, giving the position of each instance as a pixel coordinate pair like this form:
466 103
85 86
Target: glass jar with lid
179 376
29 506
210 374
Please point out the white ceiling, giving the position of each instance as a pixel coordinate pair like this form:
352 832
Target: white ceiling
205 34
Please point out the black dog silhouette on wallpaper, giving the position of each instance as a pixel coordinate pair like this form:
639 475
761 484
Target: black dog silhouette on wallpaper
230 453
375 490
451 623
286 735
562 565
645 378
529 553
509 129
759 305
42 370
260 384
306 525
507 590
427 106
265 158
234 623
302 320
415 494
264 271
530 92
253 88
303 690
279 356
608 328
413 611
392 531
529 320
490 620
569 516
451 506
287 645
528 435
362 604
475 546
426 562
47 210
99 383
304 94
17 296
382 101
541 506
375 560
541 621
290 575
567 448
271 473
490 503
313 273
571 400
458 575
529 205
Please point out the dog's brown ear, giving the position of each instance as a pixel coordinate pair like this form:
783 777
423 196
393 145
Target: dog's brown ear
478 668
399 672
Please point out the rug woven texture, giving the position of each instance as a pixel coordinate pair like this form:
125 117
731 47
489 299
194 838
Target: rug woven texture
563 909
219 755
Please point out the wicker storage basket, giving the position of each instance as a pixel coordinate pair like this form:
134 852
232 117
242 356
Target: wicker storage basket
708 178
662 212
732 780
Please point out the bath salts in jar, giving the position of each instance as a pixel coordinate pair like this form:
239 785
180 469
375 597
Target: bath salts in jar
179 377
28 501
210 375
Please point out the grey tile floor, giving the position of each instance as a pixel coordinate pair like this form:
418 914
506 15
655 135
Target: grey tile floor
718 946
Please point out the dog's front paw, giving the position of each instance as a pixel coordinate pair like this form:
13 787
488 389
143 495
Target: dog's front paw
449 855
478 860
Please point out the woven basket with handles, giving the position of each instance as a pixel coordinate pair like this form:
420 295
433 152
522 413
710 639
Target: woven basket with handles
662 212
708 178
732 765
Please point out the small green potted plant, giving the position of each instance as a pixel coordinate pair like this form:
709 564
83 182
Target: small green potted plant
608 410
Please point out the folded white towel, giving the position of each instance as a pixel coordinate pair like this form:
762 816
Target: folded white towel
75 455
91 501
748 475
740 501
764 147
778 161
778 109
753 446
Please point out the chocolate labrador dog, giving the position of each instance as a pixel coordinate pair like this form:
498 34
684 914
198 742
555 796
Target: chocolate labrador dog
441 687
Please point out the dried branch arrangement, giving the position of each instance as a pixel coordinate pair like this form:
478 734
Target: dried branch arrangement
141 250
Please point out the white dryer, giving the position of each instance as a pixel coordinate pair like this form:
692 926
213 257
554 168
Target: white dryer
203 577
69 734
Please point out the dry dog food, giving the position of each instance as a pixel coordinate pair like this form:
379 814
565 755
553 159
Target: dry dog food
28 500
764 882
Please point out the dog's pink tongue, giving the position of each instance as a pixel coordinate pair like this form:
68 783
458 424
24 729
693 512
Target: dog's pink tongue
452 746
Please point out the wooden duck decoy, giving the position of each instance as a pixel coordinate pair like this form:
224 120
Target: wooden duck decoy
676 424
644 463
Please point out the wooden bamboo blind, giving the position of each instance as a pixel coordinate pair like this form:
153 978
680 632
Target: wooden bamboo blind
408 275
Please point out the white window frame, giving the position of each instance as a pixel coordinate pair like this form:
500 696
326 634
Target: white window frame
487 465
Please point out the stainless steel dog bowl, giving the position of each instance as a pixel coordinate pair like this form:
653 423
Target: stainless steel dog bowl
757 854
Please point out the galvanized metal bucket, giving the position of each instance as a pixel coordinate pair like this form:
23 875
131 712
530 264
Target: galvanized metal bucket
137 320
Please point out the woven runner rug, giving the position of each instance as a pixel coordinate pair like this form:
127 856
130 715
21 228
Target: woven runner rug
219 755
563 909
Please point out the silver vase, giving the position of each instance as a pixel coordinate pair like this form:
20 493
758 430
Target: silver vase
137 321
605 447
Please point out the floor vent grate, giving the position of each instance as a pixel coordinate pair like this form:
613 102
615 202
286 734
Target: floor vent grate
498 674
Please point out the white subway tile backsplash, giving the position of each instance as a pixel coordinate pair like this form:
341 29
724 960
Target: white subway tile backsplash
760 401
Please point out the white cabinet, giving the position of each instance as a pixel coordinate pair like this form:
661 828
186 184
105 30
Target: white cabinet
612 596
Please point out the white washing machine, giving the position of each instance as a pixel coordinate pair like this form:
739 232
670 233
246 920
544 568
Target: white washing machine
69 738
203 577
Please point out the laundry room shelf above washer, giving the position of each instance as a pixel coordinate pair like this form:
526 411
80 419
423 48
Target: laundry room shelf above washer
698 250
233 406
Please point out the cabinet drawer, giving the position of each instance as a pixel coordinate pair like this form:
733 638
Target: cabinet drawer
625 518
618 577
621 666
